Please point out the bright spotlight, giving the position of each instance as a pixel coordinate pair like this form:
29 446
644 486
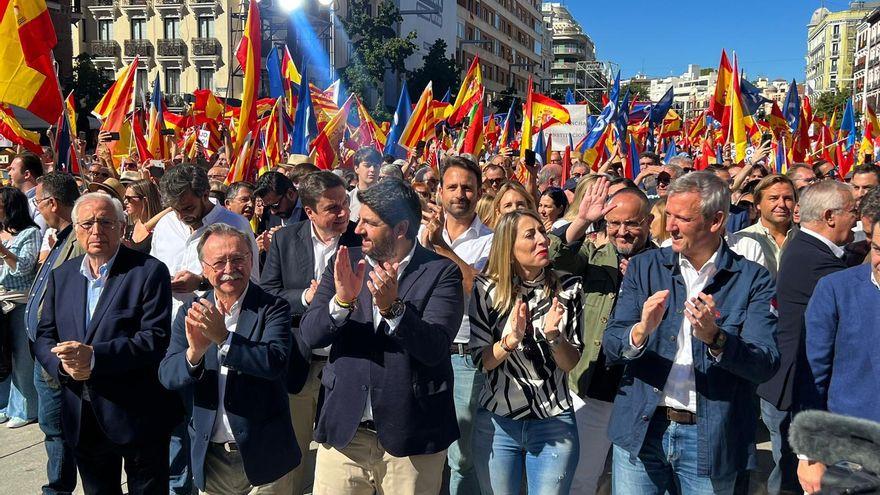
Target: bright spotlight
290 5
325 3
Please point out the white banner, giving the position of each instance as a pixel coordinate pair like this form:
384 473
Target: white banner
577 128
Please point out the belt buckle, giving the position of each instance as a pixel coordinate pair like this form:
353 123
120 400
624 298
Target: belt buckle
230 447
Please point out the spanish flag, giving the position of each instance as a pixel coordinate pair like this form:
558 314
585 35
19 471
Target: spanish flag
547 112
737 134
207 107
27 72
326 145
525 140
114 107
469 93
719 101
13 131
473 139
249 56
415 128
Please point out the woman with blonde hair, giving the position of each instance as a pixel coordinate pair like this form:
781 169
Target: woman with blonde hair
525 336
142 203
485 209
579 191
512 196
658 225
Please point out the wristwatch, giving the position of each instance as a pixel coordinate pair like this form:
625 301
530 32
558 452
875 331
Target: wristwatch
205 284
719 341
393 311
554 342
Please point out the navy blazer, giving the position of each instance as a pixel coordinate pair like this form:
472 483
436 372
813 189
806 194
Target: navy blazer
726 418
843 326
804 261
256 392
408 373
129 332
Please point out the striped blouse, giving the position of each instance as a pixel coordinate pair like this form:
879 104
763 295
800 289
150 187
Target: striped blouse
26 247
528 384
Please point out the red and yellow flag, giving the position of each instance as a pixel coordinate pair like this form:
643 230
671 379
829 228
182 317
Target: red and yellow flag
114 107
469 93
547 112
326 145
473 139
27 72
13 131
737 134
207 107
249 57
415 129
719 101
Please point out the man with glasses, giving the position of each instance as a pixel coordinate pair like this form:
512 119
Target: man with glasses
493 178
366 165
229 351
801 174
104 328
825 170
24 171
594 382
240 199
98 172
186 190
54 199
281 199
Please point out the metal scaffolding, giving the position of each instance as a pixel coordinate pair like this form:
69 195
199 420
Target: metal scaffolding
598 76
273 27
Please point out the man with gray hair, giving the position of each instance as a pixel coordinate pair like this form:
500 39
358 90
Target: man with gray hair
104 328
186 190
693 324
390 171
828 213
549 176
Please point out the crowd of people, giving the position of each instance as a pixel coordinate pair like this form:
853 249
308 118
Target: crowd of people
516 322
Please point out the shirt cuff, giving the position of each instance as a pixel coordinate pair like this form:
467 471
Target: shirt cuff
192 366
713 357
92 361
634 351
302 299
337 313
393 323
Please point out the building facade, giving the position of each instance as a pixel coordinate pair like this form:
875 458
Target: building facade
691 91
570 45
831 46
866 66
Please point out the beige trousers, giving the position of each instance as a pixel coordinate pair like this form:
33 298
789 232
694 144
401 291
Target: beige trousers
303 407
364 468
224 475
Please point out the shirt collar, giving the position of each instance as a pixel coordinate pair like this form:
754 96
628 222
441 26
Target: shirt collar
684 263
316 240
403 263
475 230
236 306
103 270
764 230
874 279
837 250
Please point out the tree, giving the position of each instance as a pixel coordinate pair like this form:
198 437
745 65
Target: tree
506 98
88 83
828 101
377 47
436 67
637 89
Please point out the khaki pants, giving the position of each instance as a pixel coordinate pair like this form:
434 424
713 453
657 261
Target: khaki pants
364 468
224 475
303 407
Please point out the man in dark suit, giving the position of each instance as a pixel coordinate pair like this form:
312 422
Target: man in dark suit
828 213
292 271
281 200
103 331
229 350
390 312
54 197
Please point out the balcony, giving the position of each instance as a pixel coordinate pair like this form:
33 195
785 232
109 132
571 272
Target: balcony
133 8
205 7
173 50
139 48
104 49
167 8
104 8
174 101
206 50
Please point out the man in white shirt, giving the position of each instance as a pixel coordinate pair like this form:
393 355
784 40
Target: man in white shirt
366 165
186 190
229 351
456 232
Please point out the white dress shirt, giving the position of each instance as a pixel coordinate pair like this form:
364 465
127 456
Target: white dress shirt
323 253
837 250
340 314
222 432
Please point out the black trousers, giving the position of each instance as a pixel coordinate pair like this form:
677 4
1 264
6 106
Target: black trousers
100 461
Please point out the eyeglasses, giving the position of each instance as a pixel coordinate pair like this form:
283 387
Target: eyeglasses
132 199
129 165
103 223
576 175
236 262
277 204
629 225
498 182
36 202
99 174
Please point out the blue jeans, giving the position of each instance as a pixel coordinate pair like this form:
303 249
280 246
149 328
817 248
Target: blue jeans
547 447
180 473
18 396
783 478
667 463
61 465
467 385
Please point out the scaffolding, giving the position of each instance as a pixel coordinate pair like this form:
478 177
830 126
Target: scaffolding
598 76
273 28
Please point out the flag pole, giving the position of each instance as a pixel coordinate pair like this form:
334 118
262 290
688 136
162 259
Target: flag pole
56 66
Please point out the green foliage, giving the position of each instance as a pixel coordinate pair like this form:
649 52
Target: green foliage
636 89
376 46
827 102
436 67
88 83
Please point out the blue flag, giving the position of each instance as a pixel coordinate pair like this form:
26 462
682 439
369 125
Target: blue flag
791 109
273 67
751 96
304 120
447 96
622 119
401 117
541 147
604 119
671 151
659 109
848 123
569 97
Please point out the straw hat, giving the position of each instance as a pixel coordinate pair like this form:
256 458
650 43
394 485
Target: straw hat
295 159
110 186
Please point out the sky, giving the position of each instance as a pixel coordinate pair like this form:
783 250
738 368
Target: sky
660 38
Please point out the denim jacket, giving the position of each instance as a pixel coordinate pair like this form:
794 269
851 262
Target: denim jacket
744 295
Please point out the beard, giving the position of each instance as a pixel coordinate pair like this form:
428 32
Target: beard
381 250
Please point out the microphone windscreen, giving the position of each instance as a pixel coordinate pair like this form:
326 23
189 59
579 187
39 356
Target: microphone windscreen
832 438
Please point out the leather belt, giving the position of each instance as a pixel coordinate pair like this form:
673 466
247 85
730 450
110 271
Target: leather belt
460 349
227 446
368 425
676 415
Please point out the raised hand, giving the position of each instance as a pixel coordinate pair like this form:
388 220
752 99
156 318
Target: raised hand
348 282
700 311
593 206
310 292
553 318
518 323
383 284
652 314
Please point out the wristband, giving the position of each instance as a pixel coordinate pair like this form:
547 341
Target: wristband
344 305
504 346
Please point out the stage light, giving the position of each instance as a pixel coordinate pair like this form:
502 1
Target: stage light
290 5
325 3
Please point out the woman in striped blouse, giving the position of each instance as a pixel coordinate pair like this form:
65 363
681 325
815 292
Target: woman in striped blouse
525 335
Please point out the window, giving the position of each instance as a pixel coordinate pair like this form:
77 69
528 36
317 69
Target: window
142 83
138 29
206 79
206 27
836 31
105 30
459 29
172 28
172 81
834 49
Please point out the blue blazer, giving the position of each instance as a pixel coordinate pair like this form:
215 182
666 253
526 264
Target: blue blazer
726 418
408 374
843 326
256 393
129 332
